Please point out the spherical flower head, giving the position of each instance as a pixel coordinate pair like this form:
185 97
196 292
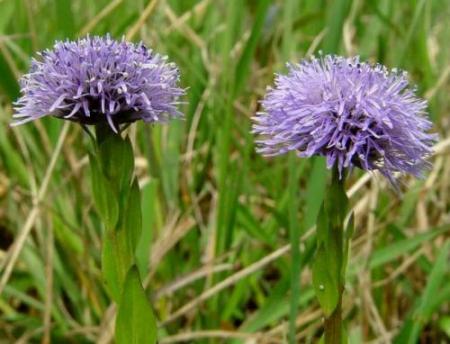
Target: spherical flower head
351 112
98 79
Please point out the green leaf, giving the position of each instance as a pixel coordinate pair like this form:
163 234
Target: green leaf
117 258
132 216
325 284
326 267
117 158
104 197
336 202
329 263
135 323
295 231
322 224
329 237
149 211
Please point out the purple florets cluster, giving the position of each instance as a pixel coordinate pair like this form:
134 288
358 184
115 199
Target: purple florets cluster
351 112
98 79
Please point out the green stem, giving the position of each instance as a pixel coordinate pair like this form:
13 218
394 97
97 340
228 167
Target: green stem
117 198
294 233
333 323
102 132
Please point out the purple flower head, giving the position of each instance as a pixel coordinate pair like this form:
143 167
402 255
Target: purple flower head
351 112
98 79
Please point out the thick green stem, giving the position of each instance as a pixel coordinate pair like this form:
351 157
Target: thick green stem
294 233
117 197
333 325
337 210
118 201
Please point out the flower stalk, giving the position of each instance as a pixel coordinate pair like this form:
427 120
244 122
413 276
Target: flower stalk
354 114
333 323
118 201
110 84
331 257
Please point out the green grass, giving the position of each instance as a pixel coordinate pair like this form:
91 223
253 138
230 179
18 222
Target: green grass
211 206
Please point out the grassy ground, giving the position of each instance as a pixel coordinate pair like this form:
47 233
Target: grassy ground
217 217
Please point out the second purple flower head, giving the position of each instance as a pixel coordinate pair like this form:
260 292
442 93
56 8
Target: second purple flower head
351 112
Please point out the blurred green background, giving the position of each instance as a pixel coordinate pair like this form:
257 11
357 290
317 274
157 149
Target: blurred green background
218 217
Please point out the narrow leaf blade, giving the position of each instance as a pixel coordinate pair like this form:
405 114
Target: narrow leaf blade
104 198
132 217
325 286
135 321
